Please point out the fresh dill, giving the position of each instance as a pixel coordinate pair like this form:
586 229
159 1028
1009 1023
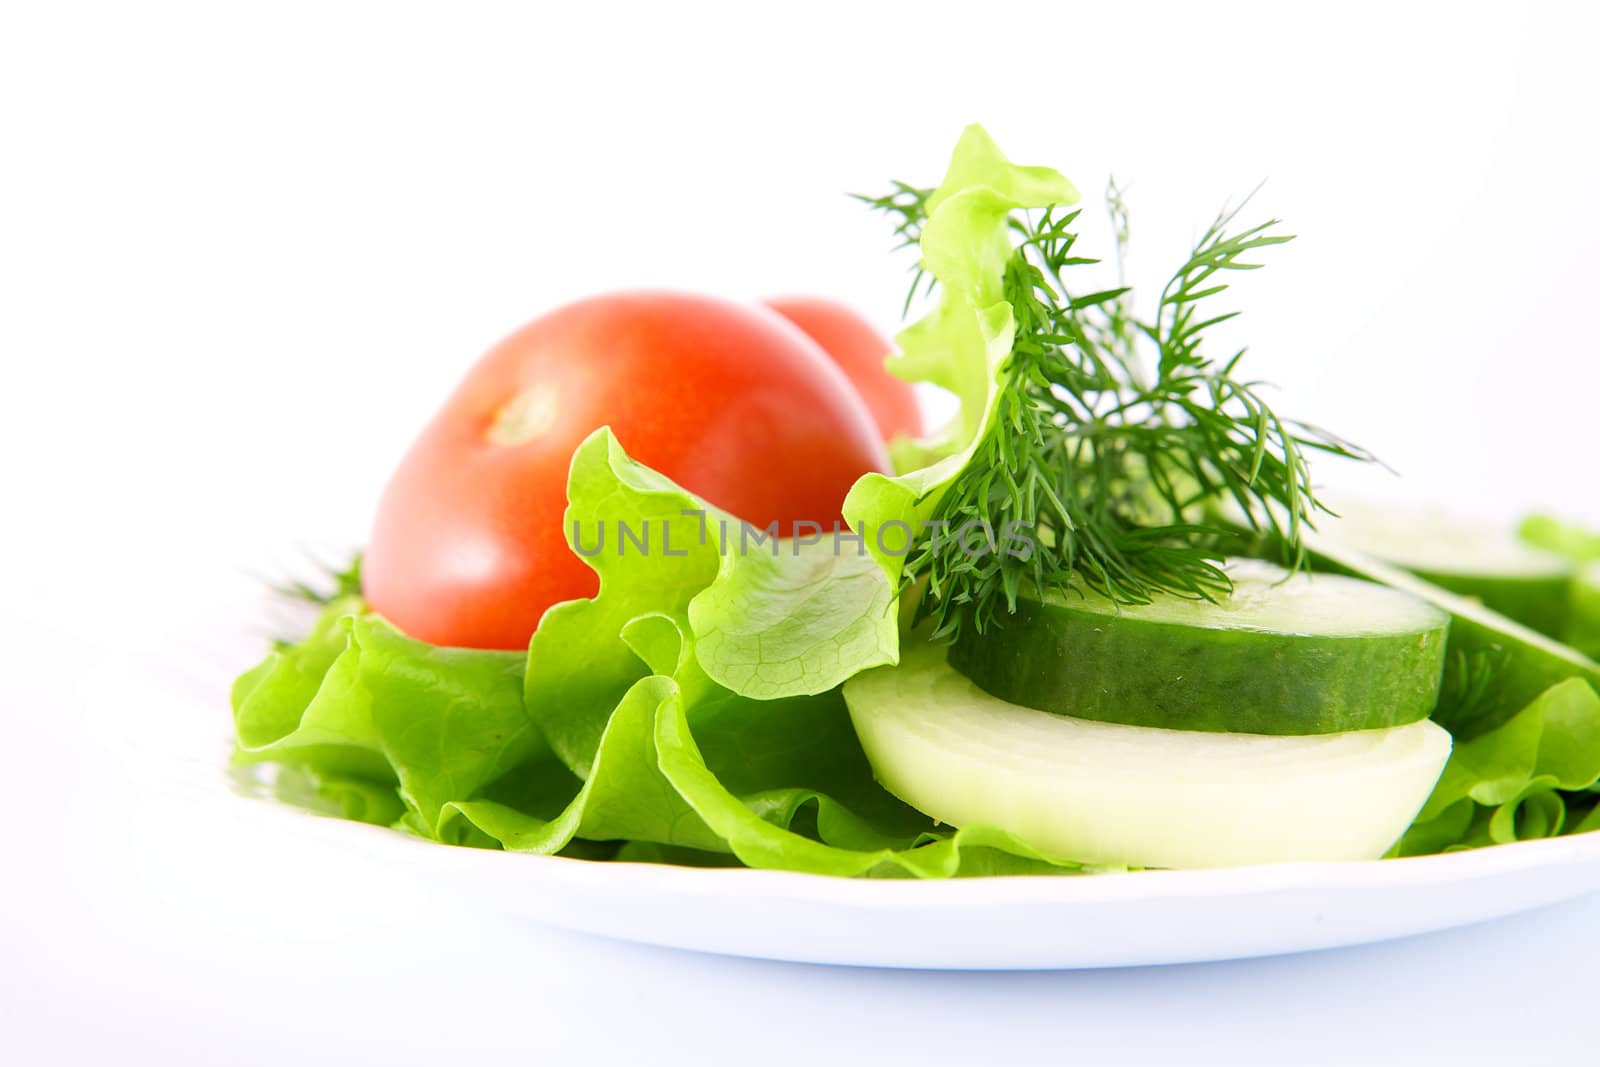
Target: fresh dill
907 205
334 582
1116 436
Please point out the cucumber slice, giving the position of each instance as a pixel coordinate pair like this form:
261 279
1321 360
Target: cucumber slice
1494 665
1105 793
1583 631
1487 561
1282 655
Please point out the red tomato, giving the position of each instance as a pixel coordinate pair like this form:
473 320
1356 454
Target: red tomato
727 400
859 349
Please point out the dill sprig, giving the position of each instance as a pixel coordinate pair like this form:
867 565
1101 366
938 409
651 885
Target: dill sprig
1116 436
908 205
334 582
331 583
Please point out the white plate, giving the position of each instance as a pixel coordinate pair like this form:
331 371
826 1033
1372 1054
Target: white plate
1034 923
1045 922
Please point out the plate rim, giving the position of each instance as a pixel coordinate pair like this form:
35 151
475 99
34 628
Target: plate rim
1407 872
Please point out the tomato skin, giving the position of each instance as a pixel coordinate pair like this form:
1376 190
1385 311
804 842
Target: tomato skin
729 401
859 349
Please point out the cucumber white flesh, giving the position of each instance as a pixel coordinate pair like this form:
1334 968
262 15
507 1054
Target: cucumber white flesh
1494 665
1487 561
1308 654
1105 793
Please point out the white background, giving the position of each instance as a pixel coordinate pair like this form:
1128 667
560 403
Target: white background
244 250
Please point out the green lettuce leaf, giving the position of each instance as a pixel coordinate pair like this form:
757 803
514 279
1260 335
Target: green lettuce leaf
802 622
1514 782
764 770
767 622
358 707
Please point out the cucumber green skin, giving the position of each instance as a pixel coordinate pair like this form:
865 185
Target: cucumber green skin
1542 603
1490 672
1583 628
1119 669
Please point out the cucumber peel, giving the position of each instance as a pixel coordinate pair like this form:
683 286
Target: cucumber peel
1470 557
1282 655
1105 793
1583 630
1494 665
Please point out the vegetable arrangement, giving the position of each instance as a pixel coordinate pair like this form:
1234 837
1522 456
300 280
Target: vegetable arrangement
672 579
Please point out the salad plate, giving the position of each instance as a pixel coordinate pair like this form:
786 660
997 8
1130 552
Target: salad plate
679 602
998 923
